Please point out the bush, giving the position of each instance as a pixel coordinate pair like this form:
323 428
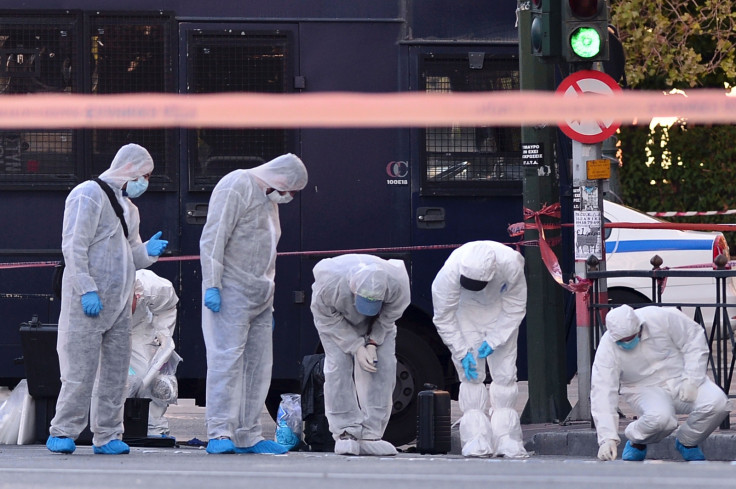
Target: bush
681 168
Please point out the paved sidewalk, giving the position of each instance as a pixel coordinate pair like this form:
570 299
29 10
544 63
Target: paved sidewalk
575 439
578 439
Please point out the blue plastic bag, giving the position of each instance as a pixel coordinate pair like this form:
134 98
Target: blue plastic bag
289 421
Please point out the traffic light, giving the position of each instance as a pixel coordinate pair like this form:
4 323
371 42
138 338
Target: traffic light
585 31
545 30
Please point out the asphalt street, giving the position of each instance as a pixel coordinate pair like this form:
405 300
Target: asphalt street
32 466
571 464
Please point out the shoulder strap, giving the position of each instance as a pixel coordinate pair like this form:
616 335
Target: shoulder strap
114 203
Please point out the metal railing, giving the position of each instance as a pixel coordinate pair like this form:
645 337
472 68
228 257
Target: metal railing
720 338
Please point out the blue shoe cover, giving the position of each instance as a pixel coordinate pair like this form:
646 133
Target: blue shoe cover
264 446
114 447
60 445
689 454
222 445
633 454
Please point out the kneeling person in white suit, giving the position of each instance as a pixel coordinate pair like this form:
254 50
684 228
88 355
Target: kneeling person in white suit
656 357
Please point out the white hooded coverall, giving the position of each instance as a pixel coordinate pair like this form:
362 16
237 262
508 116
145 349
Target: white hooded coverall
238 256
672 350
95 351
464 319
356 401
153 359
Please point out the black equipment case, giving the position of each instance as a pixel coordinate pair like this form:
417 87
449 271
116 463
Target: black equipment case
433 421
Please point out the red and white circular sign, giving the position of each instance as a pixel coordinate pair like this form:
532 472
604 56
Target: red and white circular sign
585 83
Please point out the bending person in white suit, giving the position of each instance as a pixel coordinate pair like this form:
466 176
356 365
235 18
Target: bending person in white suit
479 299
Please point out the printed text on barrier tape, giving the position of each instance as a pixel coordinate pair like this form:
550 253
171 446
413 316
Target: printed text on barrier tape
341 109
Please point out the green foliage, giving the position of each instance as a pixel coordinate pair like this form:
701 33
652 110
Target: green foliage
677 43
695 170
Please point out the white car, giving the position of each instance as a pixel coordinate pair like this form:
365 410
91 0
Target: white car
632 249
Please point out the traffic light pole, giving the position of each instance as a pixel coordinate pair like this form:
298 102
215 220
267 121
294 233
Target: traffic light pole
581 154
545 312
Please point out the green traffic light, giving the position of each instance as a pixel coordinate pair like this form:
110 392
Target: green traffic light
585 42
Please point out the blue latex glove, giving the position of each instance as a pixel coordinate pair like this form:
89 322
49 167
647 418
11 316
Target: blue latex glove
156 246
484 350
212 299
91 304
469 366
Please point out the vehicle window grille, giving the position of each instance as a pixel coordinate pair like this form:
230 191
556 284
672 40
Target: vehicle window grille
477 157
37 55
132 54
242 62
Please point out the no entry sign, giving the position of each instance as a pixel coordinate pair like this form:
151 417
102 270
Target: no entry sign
586 83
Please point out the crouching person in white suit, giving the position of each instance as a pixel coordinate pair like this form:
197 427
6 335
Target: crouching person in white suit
153 360
656 357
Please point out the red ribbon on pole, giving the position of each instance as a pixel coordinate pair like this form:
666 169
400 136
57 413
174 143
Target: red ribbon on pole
548 256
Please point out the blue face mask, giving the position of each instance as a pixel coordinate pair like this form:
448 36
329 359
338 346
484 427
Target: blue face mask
135 188
628 345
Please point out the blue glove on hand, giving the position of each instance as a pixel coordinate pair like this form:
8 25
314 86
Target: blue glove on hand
469 366
212 299
484 350
91 304
156 246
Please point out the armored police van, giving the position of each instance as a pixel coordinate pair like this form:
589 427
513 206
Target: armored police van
407 193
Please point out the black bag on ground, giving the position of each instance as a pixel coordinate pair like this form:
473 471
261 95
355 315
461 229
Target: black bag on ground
58 276
317 434
433 421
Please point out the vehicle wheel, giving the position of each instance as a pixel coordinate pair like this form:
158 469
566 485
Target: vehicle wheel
627 296
416 365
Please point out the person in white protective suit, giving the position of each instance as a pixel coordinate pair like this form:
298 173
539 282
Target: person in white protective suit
97 295
356 301
479 299
153 361
238 257
656 357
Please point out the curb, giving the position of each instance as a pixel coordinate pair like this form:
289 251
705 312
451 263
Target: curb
584 443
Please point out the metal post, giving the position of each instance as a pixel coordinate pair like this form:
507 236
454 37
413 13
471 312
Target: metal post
546 336
581 154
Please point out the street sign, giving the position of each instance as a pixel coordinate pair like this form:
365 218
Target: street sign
586 83
598 169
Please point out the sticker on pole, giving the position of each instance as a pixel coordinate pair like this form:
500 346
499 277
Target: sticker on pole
588 83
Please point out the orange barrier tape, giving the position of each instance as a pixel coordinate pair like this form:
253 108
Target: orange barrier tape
40 264
691 213
341 109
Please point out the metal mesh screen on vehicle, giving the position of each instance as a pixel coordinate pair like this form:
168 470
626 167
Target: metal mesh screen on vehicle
131 55
37 56
470 156
50 53
236 62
